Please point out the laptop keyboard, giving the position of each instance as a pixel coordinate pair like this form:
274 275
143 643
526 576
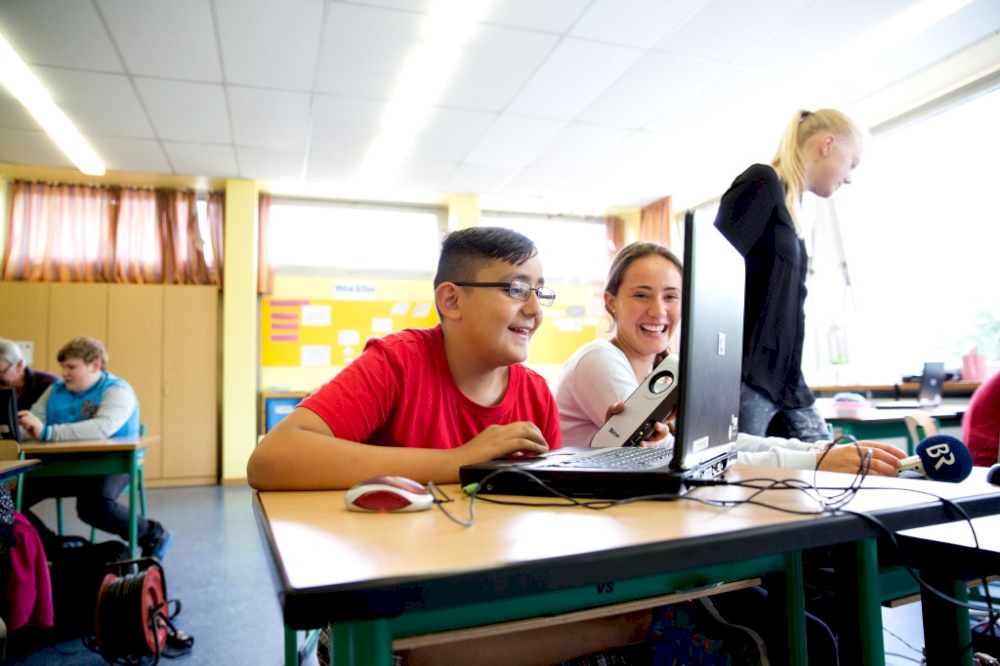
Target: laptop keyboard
632 457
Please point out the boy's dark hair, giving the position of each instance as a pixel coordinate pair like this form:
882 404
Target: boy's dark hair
466 251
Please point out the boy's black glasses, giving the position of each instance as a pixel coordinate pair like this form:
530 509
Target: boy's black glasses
520 291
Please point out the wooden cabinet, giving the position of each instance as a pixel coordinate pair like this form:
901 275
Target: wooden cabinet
162 339
190 384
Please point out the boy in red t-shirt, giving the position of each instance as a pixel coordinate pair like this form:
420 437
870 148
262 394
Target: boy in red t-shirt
423 402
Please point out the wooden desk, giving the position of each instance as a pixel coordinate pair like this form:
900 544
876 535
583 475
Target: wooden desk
875 423
959 388
947 557
379 577
97 457
12 468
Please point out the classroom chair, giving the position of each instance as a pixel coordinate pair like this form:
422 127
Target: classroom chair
920 427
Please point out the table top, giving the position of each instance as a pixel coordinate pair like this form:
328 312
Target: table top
948 409
959 388
11 468
380 564
34 447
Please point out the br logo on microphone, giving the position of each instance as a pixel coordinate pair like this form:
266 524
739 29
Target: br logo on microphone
943 454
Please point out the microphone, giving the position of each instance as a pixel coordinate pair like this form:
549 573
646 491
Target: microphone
941 458
993 476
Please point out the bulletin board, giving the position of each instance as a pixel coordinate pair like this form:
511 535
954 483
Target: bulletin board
312 332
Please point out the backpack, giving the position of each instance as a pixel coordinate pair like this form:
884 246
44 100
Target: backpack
693 632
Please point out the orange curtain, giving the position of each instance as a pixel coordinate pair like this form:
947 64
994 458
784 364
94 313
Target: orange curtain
615 235
80 233
265 272
216 211
656 221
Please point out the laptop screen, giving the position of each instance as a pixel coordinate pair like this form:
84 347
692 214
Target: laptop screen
711 342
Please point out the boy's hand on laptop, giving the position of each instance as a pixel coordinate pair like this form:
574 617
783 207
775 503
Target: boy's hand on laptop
31 423
499 441
846 458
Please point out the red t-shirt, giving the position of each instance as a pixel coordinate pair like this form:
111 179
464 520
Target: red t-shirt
400 392
981 423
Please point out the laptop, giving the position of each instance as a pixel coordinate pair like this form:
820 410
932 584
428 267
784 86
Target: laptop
8 414
711 356
930 393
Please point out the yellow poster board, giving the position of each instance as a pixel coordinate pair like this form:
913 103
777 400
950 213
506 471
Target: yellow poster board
312 332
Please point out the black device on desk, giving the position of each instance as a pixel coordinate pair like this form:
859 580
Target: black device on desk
8 414
708 395
930 394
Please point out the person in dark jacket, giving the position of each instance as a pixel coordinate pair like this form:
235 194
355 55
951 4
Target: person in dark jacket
15 373
759 215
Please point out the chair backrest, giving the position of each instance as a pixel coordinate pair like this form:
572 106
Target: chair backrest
920 426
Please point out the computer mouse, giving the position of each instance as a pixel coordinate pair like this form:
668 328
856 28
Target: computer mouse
388 493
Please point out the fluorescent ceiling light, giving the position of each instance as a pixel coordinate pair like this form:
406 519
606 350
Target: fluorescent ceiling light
16 76
426 71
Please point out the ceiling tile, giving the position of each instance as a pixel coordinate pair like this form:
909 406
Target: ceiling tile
534 183
571 78
640 23
173 39
30 147
648 88
364 49
495 66
817 31
475 179
425 174
186 111
577 147
512 142
421 6
333 166
61 33
450 134
97 103
725 29
269 118
342 124
195 159
747 89
13 114
266 164
133 155
270 44
555 16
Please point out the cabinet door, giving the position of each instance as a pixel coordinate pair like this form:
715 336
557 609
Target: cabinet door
76 309
135 351
26 318
190 387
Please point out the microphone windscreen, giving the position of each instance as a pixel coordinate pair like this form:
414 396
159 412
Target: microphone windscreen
945 458
993 476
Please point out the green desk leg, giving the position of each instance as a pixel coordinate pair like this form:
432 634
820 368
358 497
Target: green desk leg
946 626
362 643
295 655
133 502
786 592
858 602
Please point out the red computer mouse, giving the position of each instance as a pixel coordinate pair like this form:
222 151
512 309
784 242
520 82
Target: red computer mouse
388 493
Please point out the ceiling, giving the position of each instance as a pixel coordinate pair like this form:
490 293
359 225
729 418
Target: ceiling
570 106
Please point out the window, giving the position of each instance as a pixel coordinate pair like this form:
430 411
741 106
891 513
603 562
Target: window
325 238
572 250
921 232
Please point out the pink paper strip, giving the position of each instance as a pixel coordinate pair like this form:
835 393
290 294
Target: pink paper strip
285 327
284 338
284 315
288 304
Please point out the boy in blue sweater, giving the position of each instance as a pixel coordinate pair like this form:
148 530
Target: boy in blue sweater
90 403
